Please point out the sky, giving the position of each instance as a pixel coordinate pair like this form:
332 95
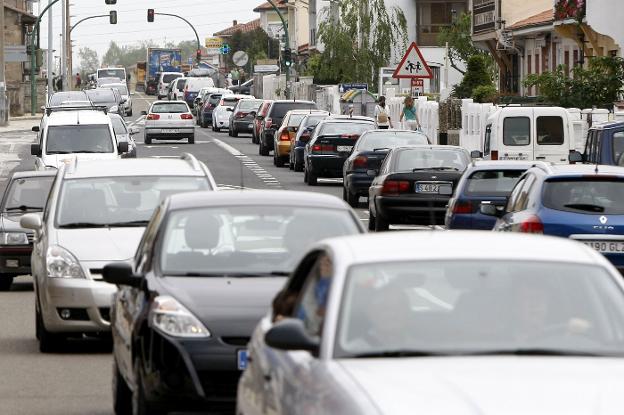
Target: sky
208 17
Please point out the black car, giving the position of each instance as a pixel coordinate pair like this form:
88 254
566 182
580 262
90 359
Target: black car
368 154
243 114
205 115
273 120
304 133
26 192
203 275
331 144
414 184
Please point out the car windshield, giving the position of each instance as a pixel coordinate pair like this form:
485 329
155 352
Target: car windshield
119 126
110 201
492 182
172 107
590 196
345 128
390 140
59 98
27 194
79 139
168 77
101 96
280 109
112 73
427 158
249 105
246 239
480 307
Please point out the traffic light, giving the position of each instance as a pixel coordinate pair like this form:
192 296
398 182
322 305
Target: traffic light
198 55
287 57
110 1
150 15
112 17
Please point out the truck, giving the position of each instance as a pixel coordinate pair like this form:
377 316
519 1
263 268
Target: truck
140 71
161 60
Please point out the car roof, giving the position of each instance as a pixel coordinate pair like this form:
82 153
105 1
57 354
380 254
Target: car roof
351 117
230 97
133 168
290 101
76 117
310 111
388 131
607 125
347 120
430 147
256 197
573 170
33 173
501 164
461 245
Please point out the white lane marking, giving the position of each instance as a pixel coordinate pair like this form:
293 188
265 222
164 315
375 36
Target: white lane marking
266 177
140 120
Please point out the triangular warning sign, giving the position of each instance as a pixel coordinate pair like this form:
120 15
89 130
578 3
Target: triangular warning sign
413 65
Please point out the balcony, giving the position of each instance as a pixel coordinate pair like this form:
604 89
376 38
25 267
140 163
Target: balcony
569 11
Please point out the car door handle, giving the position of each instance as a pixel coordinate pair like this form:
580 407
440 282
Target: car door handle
540 158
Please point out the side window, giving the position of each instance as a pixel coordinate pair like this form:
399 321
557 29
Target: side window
517 131
593 151
488 137
46 209
618 147
143 256
588 144
550 131
523 197
312 302
514 195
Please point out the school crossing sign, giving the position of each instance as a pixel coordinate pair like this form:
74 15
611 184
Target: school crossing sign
413 65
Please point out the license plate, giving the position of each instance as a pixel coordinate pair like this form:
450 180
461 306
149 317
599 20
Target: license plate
169 131
242 359
606 247
344 149
521 158
435 188
250 126
12 263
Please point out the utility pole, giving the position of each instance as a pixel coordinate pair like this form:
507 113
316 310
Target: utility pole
50 64
287 43
64 44
68 47
4 110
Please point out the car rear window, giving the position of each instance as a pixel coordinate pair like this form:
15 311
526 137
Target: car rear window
230 102
295 119
280 109
174 107
599 196
492 182
313 120
350 128
98 96
427 158
618 146
250 105
170 77
372 141
517 131
119 126
180 84
549 130
214 98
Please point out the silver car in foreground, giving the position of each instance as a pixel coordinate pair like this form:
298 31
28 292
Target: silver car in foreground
95 215
442 323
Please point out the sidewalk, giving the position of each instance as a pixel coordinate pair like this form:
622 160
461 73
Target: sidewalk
23 123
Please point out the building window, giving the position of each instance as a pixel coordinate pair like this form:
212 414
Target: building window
434 15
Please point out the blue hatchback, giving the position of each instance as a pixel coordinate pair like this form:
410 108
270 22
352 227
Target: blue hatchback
581 202
484 182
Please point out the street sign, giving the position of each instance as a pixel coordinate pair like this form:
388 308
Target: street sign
413 65
418 82
225 49
190 60
213 42
346 87
15 53
240 58
266 68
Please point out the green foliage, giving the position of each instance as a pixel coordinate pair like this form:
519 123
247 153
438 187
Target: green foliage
126 55
598 85
476 75
359 41
255 43
89 62
485 93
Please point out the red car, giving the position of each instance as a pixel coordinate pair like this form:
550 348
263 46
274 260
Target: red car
255 133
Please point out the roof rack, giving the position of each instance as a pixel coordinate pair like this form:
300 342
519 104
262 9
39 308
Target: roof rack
50 110
191 159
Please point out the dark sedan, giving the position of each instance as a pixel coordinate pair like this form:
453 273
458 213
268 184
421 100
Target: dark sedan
414 185
304 133
273 120
243 114
205 115
26 192
203 276
368 154
330 146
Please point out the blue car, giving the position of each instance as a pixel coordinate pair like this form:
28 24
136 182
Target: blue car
488 182
581 202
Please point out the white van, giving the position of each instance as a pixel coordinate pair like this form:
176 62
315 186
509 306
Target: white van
192 87
119 73
164 79
529 133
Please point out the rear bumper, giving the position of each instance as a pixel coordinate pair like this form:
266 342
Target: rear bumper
243 126
474 221
15 260
298 155
156 133
408 210
326 165
282 149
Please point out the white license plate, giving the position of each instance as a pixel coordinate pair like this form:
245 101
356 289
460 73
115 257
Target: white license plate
434 188
250 125
12 263
344 149
169 131
606 247
522 158
242 358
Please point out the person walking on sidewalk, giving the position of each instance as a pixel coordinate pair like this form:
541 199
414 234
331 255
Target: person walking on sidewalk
78 80
381 114
409 115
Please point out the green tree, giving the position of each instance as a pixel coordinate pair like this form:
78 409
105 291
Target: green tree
476 75
257 44
126 55
89 61
599 84
360 41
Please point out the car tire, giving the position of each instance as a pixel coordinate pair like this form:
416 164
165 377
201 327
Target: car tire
130 113
262 150
48 342
216 129
140 406
122 395
254 138
352 199
312 178
234 132
203 124
279 161
381 224
213 128
147 140
191 139
291 165
298 166
371 221
5 282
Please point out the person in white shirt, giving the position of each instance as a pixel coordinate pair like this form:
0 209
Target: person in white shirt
382 115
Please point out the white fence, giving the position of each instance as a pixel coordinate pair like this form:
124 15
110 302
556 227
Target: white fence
427 111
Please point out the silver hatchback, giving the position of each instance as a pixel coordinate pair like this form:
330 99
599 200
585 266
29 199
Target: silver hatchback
169 120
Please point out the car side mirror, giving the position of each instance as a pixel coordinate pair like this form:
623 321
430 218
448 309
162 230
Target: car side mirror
114 109
122 147
489 209
230 109
289 334
131 93
372 172
143 112
476 154
121 274
35 128
575 157
35 150
31 221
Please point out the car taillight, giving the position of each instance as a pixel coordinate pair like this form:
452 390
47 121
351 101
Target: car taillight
532 224
462 207
494 155
284 136
186 116
323 148
304 137
268 122
221 102
394 187
152 117
360 161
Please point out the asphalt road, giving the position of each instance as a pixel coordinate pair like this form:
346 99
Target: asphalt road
78 381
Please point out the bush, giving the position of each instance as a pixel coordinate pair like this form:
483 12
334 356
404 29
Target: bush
476 75
485 93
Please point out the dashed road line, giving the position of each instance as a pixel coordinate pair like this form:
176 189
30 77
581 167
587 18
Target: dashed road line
266 177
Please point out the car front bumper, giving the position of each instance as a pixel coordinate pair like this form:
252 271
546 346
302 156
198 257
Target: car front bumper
15 260
411 210
326 165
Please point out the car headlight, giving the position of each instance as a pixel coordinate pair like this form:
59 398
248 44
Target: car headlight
171 317
13 238
60 263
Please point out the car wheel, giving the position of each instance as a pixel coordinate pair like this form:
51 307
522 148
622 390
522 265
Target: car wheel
381 224
213 128
279 161
147 140
216 129
263 150
234 132
5 282
48 342
203 124
312 178
122 395
254 138
291 165
352 199
191 139
140 406
298 167
130 113
229 132
371 221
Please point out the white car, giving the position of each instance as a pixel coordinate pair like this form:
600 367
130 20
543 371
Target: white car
164 79
442 323
96 214
125 105
169 120
222 113
175 91
85 133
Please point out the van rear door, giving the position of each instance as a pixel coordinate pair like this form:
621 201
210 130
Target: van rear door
515 135
552 137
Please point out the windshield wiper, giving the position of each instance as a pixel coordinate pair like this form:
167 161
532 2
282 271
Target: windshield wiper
532 351
586 207
435 168
128 223
22 208
400 353
59 152
75 225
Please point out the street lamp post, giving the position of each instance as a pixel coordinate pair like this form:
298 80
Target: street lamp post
286 44
197 58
